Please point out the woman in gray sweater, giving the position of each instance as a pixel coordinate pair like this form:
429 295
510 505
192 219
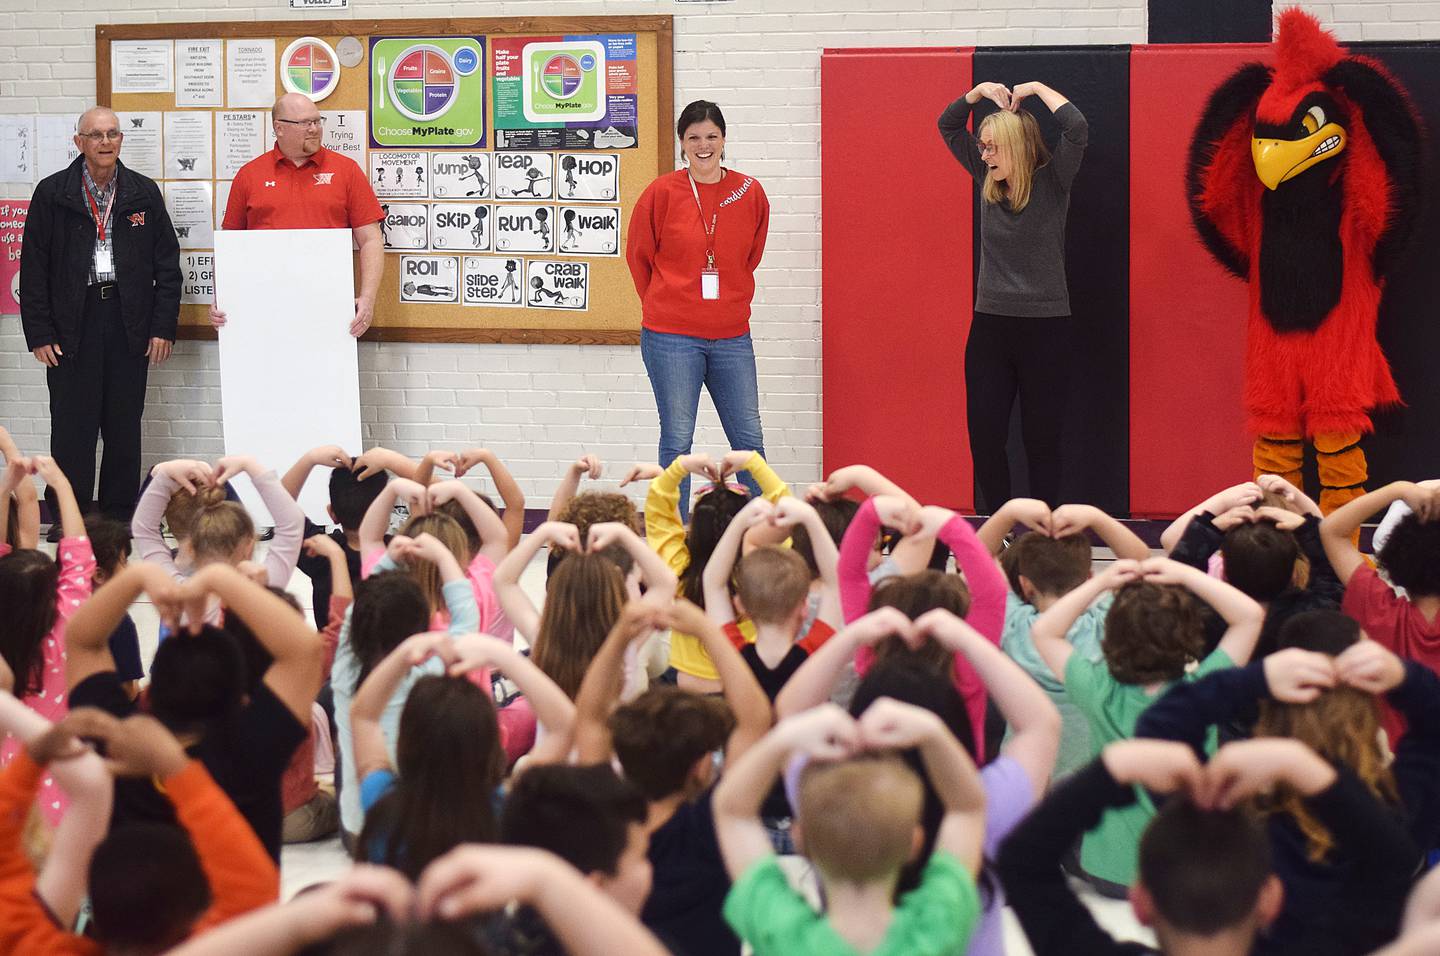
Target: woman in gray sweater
1020 340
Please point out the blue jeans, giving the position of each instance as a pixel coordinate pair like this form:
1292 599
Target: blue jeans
678 365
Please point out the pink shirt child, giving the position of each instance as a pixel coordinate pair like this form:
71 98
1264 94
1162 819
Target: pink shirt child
77 567
982 575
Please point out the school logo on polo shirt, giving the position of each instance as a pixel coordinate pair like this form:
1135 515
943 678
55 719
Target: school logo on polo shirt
323 179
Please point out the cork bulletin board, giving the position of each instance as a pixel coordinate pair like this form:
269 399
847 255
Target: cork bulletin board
508 154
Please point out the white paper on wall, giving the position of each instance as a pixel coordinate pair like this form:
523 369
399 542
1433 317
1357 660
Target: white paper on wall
141 148
199 73
191 213
524 228
591 177
249 72
404 225
460 175
54 143
289 297
494 280
589 230
142 66
222 200
187 145
239 138
458 225
197 278
345 133
17 149
557 285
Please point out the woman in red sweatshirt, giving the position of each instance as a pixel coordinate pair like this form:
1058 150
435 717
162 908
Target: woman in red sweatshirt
696 237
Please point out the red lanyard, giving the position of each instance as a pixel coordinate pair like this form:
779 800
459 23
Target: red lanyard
714 220
95 210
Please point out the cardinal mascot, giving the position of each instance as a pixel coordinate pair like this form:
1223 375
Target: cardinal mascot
1304 181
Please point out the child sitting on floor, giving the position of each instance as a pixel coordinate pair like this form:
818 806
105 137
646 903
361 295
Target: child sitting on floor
687 550
1043 567
772 587
666 741
38 598
209 528
1153 634
350 497
1205 877
1410 625
859 822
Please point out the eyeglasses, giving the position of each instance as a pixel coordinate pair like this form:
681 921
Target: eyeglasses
307 124
988 149
103 135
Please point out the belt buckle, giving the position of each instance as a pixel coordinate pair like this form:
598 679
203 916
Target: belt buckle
108 290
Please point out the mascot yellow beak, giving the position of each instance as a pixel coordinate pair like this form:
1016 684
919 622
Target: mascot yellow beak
1277 160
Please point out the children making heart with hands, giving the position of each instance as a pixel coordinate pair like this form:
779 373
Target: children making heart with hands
208 528
1153 638
39 596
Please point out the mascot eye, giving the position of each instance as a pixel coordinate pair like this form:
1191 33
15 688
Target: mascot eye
1313 119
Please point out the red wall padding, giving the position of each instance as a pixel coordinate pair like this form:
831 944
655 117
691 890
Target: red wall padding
1187 315
897 284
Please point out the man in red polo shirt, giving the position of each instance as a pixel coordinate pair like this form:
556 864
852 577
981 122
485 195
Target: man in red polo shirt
302 185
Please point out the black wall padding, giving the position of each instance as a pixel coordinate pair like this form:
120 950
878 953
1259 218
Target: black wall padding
1407 442
1210 21
1097 80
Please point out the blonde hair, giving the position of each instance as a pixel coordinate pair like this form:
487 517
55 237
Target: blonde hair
773 582
219 526
1018 135
1343 726
449 533
858 818
583 599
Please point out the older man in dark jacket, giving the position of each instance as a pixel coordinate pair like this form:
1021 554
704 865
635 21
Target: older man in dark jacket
99 295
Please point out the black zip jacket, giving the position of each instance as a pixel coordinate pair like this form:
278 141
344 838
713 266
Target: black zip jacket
60 243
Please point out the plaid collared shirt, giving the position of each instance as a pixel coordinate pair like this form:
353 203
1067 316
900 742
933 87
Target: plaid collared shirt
106 207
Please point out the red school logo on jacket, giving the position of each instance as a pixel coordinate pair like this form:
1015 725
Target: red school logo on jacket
137 219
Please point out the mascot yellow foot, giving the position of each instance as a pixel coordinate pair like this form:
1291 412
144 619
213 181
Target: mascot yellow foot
1338 455
1343 469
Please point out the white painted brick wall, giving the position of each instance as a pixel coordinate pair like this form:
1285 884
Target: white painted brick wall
538 406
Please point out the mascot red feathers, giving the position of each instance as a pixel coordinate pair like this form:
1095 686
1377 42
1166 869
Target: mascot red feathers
1304 181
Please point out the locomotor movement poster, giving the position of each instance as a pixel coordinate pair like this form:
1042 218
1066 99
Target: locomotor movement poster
427 91
565 92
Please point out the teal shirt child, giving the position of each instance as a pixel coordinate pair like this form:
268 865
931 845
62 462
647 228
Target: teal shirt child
1084 635
1111 850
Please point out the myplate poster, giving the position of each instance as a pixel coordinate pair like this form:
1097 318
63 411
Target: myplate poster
565 92
427 91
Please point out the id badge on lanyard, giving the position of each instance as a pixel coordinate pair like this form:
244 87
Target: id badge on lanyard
103 263
709 276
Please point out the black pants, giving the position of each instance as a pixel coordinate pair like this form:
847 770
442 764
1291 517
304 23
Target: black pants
1008 355
98 390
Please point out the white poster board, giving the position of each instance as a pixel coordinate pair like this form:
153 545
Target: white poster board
289 378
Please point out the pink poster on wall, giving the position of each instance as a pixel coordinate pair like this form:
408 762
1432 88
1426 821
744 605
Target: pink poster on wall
12 230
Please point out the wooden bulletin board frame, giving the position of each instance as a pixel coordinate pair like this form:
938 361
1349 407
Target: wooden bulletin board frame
622 325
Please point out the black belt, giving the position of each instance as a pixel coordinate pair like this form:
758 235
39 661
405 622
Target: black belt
105 290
